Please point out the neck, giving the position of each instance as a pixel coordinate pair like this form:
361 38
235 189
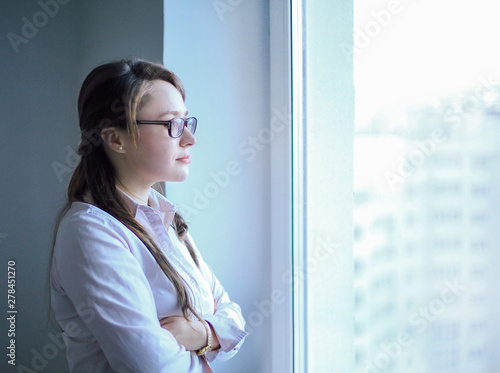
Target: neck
140 194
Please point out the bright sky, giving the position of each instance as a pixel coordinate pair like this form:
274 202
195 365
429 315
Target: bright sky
429 49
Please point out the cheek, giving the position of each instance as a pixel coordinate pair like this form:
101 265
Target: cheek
156 152
164 151
158 143
161 156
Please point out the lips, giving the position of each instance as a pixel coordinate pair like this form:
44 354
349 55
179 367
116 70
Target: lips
186 159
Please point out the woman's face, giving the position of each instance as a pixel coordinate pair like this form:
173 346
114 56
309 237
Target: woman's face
158 157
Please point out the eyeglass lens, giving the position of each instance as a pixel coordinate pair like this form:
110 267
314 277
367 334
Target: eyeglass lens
177 126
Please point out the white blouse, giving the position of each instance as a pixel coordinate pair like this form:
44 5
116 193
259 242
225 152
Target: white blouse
108 293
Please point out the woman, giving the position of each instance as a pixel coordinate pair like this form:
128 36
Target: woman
129 287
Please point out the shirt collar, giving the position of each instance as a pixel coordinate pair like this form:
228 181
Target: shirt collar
157 202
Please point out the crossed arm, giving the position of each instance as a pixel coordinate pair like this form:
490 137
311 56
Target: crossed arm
121 317
190 333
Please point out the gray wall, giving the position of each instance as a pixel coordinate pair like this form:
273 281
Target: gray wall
39 87
223 62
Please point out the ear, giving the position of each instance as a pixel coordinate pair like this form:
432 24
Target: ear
114 139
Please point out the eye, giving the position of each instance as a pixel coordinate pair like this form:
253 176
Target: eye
176 126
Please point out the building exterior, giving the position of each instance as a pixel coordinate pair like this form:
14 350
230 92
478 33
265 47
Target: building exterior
427 233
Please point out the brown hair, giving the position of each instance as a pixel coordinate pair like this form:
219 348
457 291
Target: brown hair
111 95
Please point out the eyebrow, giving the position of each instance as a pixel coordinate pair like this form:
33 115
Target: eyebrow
175 112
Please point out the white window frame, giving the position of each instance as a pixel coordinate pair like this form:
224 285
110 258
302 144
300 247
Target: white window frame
308 210
281 191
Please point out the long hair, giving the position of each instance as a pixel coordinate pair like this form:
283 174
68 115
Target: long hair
111 95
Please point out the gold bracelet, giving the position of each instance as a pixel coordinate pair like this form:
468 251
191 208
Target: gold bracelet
208 347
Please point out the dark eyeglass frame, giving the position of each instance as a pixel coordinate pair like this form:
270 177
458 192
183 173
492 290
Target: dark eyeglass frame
168 123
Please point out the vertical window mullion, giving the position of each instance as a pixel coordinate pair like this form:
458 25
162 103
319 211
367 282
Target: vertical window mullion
299 252
323 123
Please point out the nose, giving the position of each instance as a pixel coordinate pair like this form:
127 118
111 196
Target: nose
187 138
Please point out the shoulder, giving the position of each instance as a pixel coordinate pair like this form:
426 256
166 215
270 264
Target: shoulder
86 222
81 214
82 211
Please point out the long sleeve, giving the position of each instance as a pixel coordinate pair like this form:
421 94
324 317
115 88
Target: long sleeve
111 300
227 321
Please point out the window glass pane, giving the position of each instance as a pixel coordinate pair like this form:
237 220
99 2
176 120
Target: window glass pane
426 176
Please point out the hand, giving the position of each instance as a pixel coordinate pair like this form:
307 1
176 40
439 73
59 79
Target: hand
189 333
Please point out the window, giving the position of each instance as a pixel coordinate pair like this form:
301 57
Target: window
410 233
427 129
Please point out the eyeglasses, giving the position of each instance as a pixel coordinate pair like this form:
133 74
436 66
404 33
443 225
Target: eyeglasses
175 125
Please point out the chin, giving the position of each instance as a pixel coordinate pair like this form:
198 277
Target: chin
177 178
